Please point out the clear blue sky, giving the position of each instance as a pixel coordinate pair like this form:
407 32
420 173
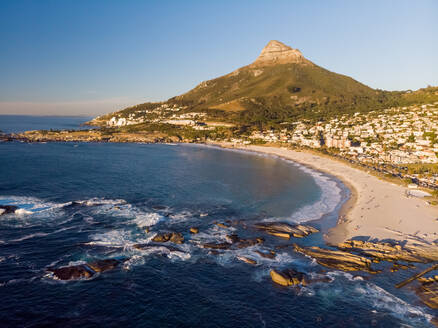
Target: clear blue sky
88 56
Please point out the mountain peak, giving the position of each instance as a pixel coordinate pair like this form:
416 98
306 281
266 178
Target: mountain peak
276 52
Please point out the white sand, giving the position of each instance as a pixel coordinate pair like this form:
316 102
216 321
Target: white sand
378 209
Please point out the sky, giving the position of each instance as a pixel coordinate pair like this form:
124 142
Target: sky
89 57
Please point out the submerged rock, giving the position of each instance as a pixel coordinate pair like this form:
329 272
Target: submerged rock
217 245
288 277
194 230
159 207
103 265
84 271
243 243
337 259
285 230
7 209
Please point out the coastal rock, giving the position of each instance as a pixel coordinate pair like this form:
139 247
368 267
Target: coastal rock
233 238
389 252
285 230
103 265
279 234
177 238
72 272
243 243
7 209
194 230
398 266
288 277
217 245
337 259
162 238
269 255
84 271
159 207
222 225
174 237
428 294
246 260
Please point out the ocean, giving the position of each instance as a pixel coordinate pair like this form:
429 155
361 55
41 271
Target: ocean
21 123
89 201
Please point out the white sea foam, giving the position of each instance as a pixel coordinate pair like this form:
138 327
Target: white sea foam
369 293
114 238
28 205
181 216
30 236
143 220
102 201
330 198
22 212
133 261
383 300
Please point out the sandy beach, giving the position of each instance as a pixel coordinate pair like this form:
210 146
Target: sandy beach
377 209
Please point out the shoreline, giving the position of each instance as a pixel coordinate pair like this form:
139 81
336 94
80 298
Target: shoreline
375 210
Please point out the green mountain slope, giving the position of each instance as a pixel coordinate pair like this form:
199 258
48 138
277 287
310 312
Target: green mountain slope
282 85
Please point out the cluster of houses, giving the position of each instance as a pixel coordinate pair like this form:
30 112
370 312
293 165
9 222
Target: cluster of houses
163 113
397 135
392 138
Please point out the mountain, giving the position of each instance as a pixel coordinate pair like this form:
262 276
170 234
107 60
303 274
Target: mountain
281 79
280 85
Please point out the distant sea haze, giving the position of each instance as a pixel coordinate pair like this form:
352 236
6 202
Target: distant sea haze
21 123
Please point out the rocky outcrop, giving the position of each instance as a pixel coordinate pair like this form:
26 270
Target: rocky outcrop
246 260
276 52
94 136
222 225
217 245
392 252
288 277
84 271
428 294
7 209
337 259
397 266
234 241
285 230
243 243
174 237
269 255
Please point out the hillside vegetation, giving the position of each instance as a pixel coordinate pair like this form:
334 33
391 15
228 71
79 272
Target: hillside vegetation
282 86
